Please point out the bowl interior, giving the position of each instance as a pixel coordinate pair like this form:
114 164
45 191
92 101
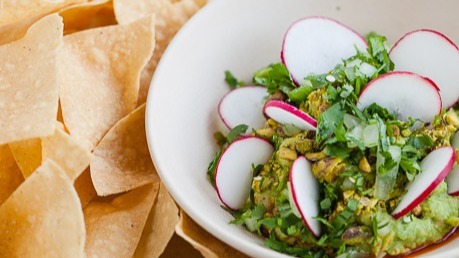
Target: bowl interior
243 36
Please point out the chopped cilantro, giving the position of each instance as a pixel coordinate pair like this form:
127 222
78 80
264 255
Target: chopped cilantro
236 132
300 94
375 109
325 204
329 121
275 77
231 80
420 141
378 50
212 168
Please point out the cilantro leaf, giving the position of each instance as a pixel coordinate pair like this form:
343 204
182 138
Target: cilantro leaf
236 132
212 168
375 109
421 141
329 122
411 167
274 77
231 80
339 150
300 94
378 50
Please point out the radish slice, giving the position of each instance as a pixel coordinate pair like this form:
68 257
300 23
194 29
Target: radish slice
431 54
316 45
243 106
405 94
453 181
434 168
453 178
233 178
455 140
304 189
285 113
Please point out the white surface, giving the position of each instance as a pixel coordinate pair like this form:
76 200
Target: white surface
242 36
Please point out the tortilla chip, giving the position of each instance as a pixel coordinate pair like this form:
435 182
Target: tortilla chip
159 228
10 174
88 15
15 11
169 16
15 31
27 154
28 83
122 161
127 11
17 16
43 217
100 77
178 247
67 152
208 245
85 188
114 228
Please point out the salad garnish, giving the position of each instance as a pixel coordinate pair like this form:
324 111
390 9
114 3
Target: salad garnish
357 166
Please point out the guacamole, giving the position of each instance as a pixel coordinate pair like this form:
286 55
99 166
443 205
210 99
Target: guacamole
362 159
355 220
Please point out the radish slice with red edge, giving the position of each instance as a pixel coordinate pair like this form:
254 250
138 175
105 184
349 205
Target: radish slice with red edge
285 113
316 45
233 176
431 54
304 189
405 94
243 106
434 168
453 182
453 178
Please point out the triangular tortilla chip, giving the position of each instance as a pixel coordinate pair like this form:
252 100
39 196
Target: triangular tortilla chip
97 13
15 11
122 161
67 152
170 17
27 154
10 174
114 228
16 16
159 228
29 101
43 217
85 188
208 245
100 77
178 247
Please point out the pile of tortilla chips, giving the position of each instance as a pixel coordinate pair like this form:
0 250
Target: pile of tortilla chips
76 177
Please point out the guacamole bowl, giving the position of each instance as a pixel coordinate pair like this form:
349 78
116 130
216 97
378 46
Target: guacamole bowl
243 36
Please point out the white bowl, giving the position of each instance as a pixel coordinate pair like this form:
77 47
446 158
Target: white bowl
242 36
